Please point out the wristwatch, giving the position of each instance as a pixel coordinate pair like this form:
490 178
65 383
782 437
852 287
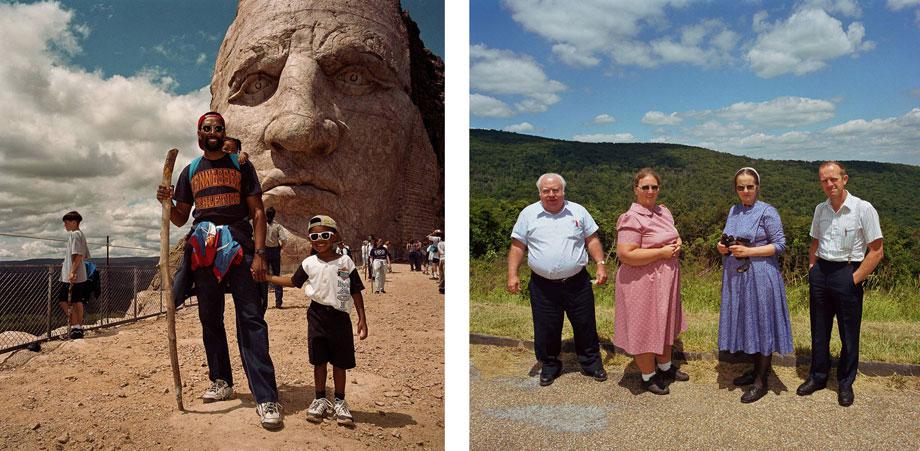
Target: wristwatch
260 251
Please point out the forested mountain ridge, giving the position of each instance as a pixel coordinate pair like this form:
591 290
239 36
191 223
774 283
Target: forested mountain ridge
697 186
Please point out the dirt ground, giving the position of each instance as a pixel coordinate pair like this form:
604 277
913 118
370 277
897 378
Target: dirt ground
509 409
113 389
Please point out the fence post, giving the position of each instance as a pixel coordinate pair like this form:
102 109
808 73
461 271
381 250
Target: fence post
48 310
135 292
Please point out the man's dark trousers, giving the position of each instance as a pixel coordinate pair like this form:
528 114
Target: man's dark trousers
831 292
549 300
251 329
273 258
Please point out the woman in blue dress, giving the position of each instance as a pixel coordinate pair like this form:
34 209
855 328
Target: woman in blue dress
754 317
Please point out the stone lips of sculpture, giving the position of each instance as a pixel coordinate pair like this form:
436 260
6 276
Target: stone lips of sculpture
319 94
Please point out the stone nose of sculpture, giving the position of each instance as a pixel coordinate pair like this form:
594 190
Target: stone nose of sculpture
306 121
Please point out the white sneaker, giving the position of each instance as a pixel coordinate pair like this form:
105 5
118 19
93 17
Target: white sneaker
270 414
218 391
319 409
342 414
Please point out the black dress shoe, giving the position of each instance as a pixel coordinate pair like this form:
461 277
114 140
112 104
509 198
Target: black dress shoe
845 397
655 385
753 394
810 386
548 379
673 374
744 379
599 374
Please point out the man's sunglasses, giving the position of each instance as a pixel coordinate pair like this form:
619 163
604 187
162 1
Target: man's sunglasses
207 128
320 236
741 188
649 187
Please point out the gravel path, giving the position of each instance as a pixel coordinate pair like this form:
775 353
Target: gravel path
112 390
509 410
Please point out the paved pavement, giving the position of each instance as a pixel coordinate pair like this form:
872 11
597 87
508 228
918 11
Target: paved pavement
509 410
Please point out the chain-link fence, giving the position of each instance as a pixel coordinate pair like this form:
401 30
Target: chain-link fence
30 311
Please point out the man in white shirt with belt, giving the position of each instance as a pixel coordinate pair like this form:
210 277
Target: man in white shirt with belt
846 246
555 233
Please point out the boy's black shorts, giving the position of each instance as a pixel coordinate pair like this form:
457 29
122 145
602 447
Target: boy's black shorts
329 337
81 292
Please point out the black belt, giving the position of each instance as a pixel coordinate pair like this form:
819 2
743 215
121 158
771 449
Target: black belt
562 280
854 263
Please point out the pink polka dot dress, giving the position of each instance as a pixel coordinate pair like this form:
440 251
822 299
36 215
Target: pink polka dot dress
648 313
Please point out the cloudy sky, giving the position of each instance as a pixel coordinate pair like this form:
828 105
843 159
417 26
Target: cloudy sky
804 80
94 93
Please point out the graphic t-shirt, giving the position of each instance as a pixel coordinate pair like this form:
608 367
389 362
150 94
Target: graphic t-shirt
380 253
329 283
218 190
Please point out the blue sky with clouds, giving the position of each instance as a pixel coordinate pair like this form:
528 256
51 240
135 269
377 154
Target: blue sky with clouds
804 80
94 93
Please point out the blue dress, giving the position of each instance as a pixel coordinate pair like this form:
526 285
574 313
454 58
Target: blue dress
754 317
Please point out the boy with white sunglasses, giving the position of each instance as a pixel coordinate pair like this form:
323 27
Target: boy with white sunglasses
334 286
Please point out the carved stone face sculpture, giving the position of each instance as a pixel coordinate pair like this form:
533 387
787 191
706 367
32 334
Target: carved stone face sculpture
318 92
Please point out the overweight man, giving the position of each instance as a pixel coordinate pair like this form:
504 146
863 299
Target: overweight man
557 236
846 246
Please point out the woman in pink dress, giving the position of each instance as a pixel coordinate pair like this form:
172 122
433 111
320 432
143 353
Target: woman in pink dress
649 316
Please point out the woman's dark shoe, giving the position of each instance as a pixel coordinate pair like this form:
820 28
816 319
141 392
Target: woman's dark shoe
655 385
745 379
673 374
753 394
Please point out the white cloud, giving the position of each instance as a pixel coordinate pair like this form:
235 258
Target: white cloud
781 112
519 128
201 59
584 30
897 5
502 72
485 106
603 118
803 43
116 131
605 138
659 118
848 8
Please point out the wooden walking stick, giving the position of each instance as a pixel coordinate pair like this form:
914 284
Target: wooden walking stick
165 282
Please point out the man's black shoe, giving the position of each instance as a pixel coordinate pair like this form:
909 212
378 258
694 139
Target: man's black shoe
845 397
810 386
548 379
599 374
744 379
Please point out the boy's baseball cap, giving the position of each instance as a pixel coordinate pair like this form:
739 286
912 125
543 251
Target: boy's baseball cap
322 220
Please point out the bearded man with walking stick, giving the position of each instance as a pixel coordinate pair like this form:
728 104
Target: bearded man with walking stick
221 253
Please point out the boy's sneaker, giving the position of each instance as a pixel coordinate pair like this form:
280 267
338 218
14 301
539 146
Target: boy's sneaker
218 391
270 414
342 414
76 334
319 408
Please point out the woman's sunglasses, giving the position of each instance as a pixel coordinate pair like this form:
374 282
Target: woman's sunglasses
649 187
320 236
741 188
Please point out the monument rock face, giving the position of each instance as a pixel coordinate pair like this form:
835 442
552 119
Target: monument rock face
320 94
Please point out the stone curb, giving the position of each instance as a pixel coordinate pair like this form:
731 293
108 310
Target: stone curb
868 368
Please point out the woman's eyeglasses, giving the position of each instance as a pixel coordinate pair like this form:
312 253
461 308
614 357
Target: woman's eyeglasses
207 128
320 236
741 188
649 187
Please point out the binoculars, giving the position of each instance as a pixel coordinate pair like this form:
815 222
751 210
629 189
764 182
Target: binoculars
729 240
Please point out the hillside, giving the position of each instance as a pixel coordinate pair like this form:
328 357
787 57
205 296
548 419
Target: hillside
696 185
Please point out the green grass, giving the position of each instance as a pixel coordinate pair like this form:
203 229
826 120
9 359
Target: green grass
890 326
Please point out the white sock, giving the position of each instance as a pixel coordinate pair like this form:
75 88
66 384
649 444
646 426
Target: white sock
647 377
664 366
77 326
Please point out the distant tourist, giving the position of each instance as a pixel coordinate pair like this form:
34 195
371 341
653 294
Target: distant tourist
74 288
275 236
649 315
846 246
754 317
334 287
380 260
555 233
441 264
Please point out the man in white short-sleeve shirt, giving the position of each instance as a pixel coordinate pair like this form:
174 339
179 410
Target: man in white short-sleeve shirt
846 246
557 236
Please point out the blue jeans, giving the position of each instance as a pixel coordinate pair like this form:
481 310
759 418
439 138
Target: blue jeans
251 329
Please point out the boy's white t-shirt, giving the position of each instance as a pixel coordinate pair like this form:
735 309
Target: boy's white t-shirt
330 283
